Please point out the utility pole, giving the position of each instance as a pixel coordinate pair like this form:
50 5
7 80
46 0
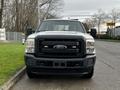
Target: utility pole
1 12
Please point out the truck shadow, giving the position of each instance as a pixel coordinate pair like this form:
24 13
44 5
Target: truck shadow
60 77
60 82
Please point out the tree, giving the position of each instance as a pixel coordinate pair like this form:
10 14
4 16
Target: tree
49 8
99 17
90 23
1 12
20 14
114 15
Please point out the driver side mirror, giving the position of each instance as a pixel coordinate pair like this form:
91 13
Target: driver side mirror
29 31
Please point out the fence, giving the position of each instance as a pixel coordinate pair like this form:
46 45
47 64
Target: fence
114 32
117 31
14 36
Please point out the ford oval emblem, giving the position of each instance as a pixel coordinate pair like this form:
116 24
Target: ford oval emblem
60 46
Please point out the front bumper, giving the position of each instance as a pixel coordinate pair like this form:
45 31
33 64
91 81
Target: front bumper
60 66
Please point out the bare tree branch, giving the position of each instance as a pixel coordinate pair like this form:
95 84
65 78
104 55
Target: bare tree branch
99 16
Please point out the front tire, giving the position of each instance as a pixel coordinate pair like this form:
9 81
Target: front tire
30 74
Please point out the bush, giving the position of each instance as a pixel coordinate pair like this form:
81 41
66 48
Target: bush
117 38
105 36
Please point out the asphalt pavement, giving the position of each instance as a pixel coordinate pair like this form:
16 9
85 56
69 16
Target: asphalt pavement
106 76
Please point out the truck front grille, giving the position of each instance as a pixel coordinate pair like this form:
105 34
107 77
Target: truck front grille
59 48
59 64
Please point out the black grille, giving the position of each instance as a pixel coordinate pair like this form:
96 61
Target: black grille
60 48
59 64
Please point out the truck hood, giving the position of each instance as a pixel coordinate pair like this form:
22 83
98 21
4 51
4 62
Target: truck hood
61 33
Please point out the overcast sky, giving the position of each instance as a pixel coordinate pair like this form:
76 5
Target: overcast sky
77 7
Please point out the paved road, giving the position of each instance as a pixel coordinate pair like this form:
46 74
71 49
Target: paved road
107 74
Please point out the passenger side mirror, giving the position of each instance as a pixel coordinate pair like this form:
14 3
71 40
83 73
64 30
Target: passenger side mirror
93 32
88 32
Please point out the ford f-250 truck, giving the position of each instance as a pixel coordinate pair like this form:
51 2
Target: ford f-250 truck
60 47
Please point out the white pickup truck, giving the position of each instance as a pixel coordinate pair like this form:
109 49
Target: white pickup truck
60 47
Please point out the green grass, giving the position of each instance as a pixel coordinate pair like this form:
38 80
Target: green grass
11 60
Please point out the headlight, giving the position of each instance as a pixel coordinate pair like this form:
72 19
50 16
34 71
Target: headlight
30 46
90 47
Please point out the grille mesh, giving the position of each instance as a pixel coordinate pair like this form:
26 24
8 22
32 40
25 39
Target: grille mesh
45 48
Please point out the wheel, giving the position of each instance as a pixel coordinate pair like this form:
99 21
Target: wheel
89 75
30 74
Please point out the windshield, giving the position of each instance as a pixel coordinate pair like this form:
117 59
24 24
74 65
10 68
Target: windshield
63 25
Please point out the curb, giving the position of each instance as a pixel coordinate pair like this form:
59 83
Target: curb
14 79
